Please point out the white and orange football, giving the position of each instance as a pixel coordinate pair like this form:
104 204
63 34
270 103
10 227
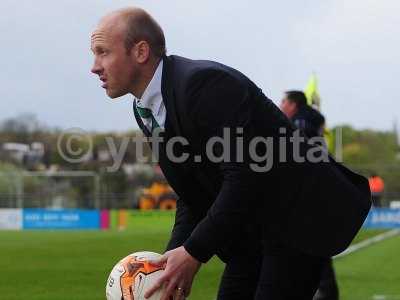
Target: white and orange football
133 276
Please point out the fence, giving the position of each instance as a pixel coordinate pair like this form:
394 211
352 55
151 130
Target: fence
65 189
92 190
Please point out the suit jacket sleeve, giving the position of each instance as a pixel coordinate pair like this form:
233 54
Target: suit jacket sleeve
218 100
183 227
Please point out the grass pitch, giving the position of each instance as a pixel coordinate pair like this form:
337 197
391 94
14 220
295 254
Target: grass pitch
74 265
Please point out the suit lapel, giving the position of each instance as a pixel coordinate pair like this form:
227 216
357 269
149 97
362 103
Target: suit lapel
188 168
168 96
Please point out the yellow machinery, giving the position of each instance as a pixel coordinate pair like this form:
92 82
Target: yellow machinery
158 196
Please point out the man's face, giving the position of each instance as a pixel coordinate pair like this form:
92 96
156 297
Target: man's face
115 66
288 107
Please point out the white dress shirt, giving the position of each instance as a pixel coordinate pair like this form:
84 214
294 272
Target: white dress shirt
152 99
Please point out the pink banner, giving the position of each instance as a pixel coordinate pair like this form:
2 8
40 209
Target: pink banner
104 219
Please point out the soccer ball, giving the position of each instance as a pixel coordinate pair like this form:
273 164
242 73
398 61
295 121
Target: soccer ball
133 276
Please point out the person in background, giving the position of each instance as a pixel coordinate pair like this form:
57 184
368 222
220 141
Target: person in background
377 186
306 118
311 122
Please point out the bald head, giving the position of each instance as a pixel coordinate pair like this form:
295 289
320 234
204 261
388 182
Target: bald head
136 25
128 45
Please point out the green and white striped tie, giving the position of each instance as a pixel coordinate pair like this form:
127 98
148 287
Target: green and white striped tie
147 114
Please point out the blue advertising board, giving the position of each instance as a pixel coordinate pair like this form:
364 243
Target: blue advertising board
60 219
383 218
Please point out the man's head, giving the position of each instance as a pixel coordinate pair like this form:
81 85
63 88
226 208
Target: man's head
292 102
127 45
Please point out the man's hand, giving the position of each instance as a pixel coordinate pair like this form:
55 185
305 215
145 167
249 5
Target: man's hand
180 269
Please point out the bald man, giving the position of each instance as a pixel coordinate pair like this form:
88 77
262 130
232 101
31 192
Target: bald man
272 249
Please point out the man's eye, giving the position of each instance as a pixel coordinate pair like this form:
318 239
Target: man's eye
101 52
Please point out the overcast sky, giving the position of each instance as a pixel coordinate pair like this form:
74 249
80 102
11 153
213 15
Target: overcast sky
352 45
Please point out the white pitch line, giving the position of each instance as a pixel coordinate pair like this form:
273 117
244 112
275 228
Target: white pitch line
376 239
385 297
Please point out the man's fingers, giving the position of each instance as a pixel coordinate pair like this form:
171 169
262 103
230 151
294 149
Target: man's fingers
159 283
188 288
170 290
159 262
182 290
186 292
180 293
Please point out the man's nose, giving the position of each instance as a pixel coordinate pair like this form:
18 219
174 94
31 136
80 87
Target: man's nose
96 68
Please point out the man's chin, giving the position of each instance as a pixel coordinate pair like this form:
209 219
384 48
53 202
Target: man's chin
114 94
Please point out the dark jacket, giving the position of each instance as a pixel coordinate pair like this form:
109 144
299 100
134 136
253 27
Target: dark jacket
224 205
310 121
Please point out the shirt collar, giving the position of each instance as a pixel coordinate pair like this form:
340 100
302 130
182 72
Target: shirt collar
152 97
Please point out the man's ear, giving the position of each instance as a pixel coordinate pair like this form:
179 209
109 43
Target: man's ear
141 50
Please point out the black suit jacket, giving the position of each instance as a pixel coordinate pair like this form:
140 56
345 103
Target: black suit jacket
225 206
